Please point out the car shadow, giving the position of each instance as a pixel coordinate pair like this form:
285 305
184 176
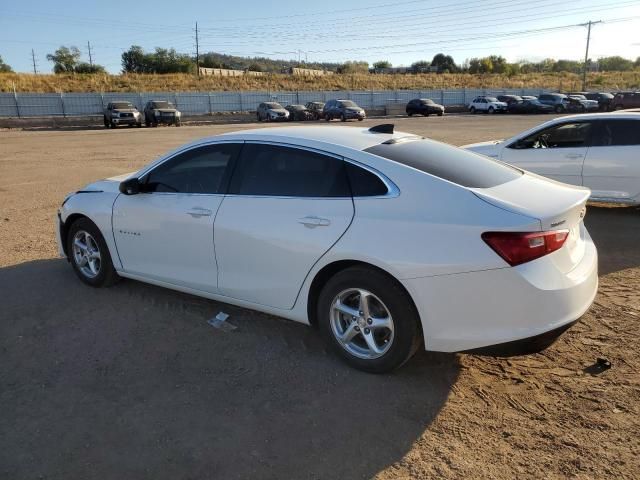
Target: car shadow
616 234
132 382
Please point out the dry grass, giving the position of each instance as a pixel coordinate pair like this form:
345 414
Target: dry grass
184 83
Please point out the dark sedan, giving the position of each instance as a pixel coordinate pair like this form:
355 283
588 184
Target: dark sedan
509 99
316 109
529 106
298 112
424 106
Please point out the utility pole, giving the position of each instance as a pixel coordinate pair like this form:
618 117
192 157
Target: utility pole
90 58
197 52
33 59
586 53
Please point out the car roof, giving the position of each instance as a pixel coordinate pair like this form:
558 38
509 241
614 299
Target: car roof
350 137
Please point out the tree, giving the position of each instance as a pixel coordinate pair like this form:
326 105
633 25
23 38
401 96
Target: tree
4 68
572 66
133 60
354 67
84 67
615 64
444 63
382 64
64 59
420 66
254 67
637 62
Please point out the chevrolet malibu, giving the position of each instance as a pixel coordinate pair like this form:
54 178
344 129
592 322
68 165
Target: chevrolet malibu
385 241
599 151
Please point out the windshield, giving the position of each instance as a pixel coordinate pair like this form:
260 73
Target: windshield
606 95
122 105
162 105
297 107
579 97
449 163
426 101
492 99
273 105
348 103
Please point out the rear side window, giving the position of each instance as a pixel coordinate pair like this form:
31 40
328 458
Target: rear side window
274 170
199 170
449 163
365 183
617 133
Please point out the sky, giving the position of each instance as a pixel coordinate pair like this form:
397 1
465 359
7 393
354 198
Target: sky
401 32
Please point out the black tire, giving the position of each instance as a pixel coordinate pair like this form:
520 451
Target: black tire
360 119
178 123
106 122
106 275
472 110
409 113
258 116
343 118
139 125
407 335
559 109
327 118
440 114
491 110
426 114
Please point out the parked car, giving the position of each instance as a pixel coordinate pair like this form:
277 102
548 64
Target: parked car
316 109
509 99
161 112
626 100
424 106
487 105
599 151
529 106
121 113
562 103
344 110
298 112
604 99
529 97
320 226
582 104
272 112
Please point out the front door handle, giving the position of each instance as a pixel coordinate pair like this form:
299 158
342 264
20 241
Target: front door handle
312 222
574 155
197 212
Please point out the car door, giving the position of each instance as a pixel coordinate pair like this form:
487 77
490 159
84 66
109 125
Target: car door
612 167
286 207
165 233
556 152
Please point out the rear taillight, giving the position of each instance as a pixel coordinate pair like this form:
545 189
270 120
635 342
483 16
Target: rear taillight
521 247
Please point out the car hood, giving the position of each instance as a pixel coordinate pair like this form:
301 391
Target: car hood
165 110
278 110
111 184
501 104
489 149
126 110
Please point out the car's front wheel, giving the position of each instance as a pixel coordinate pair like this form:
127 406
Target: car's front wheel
472 110
369 319
89 254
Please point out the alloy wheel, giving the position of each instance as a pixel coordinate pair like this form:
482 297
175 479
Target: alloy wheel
86 254
361 323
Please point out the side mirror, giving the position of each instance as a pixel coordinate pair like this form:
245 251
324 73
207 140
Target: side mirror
130 186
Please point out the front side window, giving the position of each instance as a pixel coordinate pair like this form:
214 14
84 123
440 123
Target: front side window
566 135
273 170
199 170
617 133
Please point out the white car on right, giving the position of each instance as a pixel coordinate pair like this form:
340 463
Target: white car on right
600 151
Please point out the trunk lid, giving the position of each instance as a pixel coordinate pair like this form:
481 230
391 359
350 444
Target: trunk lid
557 206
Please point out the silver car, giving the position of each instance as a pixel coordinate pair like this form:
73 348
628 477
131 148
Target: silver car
272 112
121 113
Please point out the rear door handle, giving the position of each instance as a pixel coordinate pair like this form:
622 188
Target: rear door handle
312 222
197 212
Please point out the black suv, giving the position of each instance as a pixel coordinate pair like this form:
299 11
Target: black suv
343 109
316 109
604 99
159 112
509 99
424 106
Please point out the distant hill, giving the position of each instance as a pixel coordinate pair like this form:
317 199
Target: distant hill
261 64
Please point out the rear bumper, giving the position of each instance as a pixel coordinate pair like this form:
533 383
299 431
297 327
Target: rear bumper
469 311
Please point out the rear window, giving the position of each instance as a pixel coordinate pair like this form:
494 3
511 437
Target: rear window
449 163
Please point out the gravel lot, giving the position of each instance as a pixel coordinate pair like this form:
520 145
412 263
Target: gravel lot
131 382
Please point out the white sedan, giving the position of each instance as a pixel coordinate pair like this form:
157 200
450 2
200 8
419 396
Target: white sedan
383 240
600 151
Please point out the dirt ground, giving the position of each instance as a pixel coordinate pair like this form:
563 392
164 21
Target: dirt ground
131 382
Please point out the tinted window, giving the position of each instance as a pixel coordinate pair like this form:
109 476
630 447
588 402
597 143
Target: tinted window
566 135
199 170
447 162
364 183
162 105
288 172
617 132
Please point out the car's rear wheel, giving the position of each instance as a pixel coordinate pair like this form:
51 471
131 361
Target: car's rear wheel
559 109
327 117
89 254
426 114
369 319
409 113
491 110
440 114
